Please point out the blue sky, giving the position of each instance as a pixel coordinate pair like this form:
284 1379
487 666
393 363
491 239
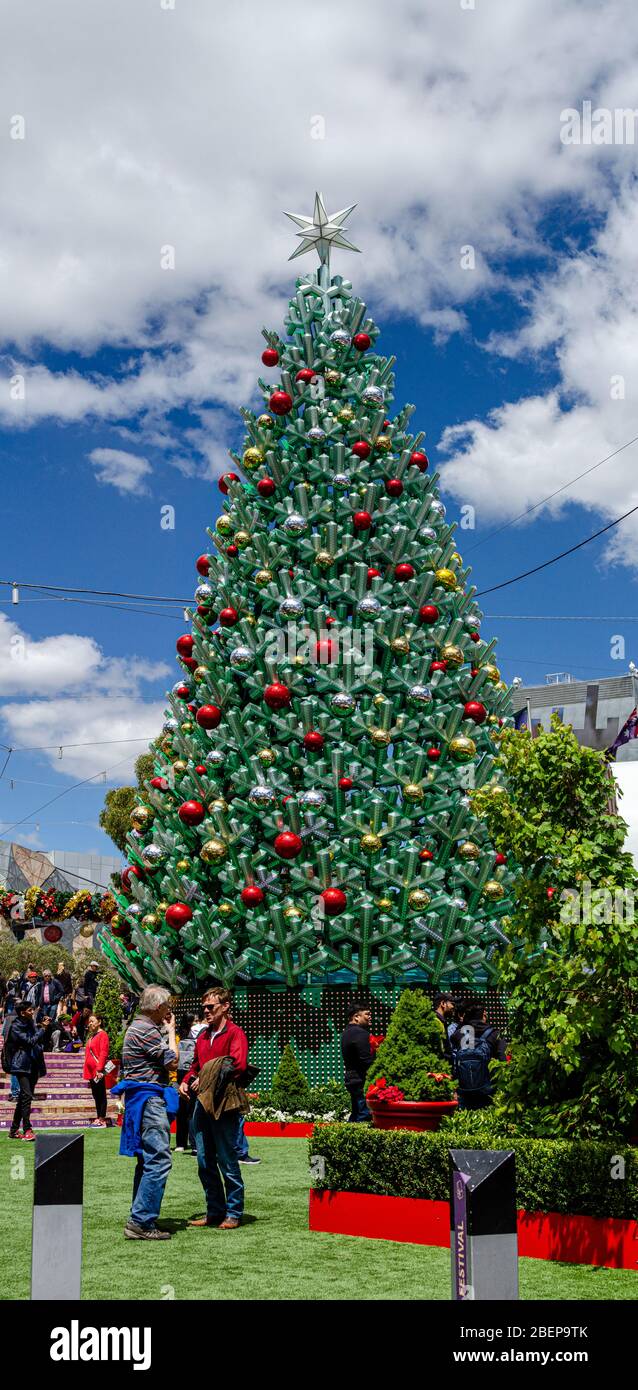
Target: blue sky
134 373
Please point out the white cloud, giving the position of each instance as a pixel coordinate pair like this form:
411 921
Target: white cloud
122 470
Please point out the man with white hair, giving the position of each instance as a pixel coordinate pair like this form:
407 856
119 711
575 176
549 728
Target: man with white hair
146 1055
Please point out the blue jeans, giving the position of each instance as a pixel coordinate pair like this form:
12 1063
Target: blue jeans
14 1087
216 1144
242 1142
359 1110
153 1164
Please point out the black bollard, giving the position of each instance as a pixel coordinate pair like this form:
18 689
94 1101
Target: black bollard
56 1251
484 1241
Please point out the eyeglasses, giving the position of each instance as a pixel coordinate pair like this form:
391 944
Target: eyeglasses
210 1008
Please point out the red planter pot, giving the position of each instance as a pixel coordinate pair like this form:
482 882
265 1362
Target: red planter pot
409 1114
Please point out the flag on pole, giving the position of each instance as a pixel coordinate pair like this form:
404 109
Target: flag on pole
629 730
520 719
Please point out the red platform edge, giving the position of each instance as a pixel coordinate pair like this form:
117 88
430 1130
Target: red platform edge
591 1240
272 1129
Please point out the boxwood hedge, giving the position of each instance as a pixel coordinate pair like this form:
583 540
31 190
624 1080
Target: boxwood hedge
552 1175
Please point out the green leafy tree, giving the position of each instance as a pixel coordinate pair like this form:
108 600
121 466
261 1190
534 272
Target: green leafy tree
412 1055
290 1090
307 815
107 1005
572 969
115 817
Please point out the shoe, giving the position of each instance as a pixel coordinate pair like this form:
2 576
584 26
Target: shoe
203 1221
29 1136
134 1232
179 1149
15 1133
229 1224
250 1159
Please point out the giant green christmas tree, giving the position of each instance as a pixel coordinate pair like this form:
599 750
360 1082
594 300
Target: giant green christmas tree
308 819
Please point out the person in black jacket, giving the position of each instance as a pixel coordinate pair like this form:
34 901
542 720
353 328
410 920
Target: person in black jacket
24 1058
357 1058
475 1044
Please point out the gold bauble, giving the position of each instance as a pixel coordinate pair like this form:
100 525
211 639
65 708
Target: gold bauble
166 745
241 539
497 789
500 685
371 844
300 660
141 817
346 415
332 377
413 791
200 673
263 577
324 559
384 904
213 851
453 655
380 737
180 766
266 756
224 909
218 805
462 749
248 618
492 672
265 422
161 907
150 921
418 898
379 699
455 558
292 914
115 920
182 866
383 442
468 850
224 524
493 719
493 890
187 726
446 578
252 458
400 646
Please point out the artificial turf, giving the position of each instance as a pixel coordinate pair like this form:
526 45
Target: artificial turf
272 1256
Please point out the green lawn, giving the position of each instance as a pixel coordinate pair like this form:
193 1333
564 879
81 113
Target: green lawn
273 1256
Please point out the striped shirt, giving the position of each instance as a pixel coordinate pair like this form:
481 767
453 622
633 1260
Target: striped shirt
145 1056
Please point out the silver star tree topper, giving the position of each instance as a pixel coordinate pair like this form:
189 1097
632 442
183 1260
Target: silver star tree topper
321 231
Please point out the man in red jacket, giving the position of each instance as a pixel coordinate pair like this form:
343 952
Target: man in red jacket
216 1140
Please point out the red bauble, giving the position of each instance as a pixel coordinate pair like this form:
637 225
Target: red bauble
420 460
403 571
159 783
52 934
288 845
252 896
373 574
277 696
326 651
306 375
228 617
434 754
313 741
362 341
265 487
183 692
190 662
345 784
437 666
393 487
280 403
192 812
131 871
475 710
499 860
334 901
475 637
178 914
330 622
225 479
232 552
202 565
474 670
425 855
361 449
208 716
550 892
428 613
201 770
185 645
362 521
270 357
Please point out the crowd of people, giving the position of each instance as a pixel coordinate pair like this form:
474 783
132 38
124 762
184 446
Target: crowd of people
468 1044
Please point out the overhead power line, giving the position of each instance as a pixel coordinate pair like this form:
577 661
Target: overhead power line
555 558
96 593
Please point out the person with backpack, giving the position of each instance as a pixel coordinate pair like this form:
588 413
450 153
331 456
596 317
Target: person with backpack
23 1056
475 1045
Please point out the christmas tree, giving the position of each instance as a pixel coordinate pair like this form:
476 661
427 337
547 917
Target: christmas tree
308 817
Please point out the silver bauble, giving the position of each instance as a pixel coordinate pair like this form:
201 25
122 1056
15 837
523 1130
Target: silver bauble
460 903
341 480
438 508
343 703
170 726
154 855
340 338
261 796
133 910
241 658
370 607
291 607
311 800
373 395
427 533
316 434
295 524
419 695
215 758
203 593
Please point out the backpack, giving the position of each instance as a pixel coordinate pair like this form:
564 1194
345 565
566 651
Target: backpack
471 1064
